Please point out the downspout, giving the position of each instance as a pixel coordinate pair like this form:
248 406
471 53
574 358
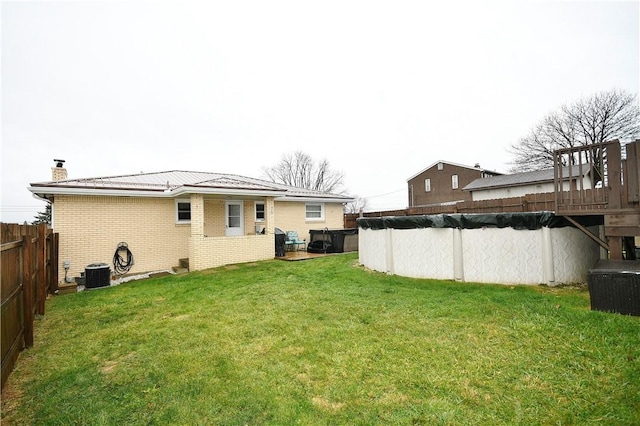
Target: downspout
410 195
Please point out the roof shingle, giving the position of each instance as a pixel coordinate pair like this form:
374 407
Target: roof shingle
525 178
180 179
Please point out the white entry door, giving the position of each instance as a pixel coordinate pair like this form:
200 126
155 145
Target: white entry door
234 219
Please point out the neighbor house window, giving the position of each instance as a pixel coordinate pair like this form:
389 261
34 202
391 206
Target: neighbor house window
454 181
427 185
259 212
314 211
183 211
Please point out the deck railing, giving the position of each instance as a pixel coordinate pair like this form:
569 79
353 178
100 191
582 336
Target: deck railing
591 179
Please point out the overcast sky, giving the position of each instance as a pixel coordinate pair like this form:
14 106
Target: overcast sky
380 89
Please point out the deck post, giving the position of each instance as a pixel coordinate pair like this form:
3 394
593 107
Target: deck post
632 176
604 252
614 165
615 248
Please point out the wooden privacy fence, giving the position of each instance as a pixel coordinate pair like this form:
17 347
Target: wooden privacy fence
29 272
527 203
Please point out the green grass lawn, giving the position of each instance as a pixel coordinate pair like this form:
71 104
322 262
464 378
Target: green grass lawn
325 341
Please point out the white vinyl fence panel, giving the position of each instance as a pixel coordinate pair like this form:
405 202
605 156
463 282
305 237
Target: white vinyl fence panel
490 255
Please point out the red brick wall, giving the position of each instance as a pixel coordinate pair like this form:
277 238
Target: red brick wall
441 188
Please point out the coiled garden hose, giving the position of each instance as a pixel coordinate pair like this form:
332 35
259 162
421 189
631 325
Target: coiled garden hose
120 264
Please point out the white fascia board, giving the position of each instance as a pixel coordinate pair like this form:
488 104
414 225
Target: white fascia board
464 166
52 190
424 170
39 191
218 191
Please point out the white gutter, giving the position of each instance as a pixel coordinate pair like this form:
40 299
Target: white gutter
315 199
39 198
223 191
38 191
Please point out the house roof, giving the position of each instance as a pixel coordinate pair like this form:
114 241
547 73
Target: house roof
175 183
456 165
521 179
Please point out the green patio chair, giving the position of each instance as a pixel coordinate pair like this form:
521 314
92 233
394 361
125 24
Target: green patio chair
293 243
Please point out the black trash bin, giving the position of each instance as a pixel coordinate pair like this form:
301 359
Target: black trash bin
280 240
614 286
97 275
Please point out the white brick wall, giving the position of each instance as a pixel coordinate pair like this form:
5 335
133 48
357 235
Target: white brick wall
91 227
211 252
291 217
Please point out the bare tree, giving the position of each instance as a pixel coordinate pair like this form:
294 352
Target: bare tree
599 118
300 170
356 205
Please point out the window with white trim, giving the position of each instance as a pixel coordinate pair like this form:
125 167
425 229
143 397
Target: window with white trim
454 181
183 211
427 185
314 211
259 212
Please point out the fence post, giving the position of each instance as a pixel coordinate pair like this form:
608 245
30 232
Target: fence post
53 286
548 272
389 251
458 259
42 270
27 290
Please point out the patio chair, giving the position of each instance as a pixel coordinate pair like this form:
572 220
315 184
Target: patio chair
293 243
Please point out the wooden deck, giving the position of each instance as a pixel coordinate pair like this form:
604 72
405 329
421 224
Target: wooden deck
607 184
603 183
292 256
300 255
601 180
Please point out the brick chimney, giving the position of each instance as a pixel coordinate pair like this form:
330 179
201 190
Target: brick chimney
58 172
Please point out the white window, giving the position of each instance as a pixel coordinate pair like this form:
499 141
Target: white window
183 211
427 185
454 181
314 211
259 212
440 166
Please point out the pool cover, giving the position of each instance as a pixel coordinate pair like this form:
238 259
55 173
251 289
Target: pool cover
520 221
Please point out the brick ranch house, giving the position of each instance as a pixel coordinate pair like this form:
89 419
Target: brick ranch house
212 219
